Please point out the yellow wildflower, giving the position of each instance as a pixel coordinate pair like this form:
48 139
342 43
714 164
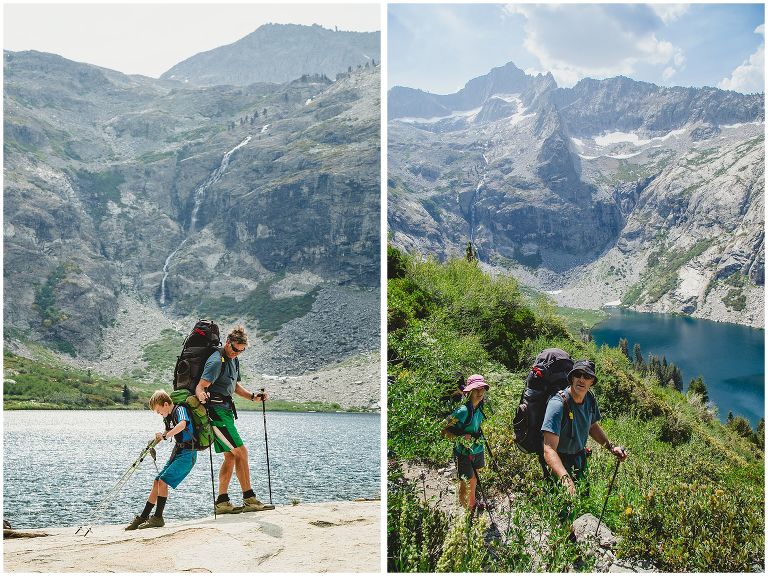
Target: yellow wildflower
628 511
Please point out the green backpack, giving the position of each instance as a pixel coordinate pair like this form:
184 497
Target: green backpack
202 431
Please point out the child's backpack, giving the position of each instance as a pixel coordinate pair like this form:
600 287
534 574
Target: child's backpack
458 428
202 432
198 346
548 375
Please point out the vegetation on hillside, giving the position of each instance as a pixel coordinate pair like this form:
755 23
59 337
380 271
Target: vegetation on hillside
47 384
30 384
689 498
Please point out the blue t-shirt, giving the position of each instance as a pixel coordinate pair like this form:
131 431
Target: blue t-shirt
473 427
575 431
223 373
178 414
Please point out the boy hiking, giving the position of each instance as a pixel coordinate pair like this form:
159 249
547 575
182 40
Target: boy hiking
178 424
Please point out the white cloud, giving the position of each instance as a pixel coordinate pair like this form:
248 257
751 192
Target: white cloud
749 77
668 73
599 40
670 12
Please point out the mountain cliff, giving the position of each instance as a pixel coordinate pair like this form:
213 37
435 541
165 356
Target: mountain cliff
246 203
610 190
279 53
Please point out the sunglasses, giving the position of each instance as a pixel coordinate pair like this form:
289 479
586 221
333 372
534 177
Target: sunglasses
236 349
581 374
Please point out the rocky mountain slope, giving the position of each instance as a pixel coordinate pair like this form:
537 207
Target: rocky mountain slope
279 53
240 203
613 190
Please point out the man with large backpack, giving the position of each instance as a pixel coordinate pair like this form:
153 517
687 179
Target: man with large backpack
572 415
219 381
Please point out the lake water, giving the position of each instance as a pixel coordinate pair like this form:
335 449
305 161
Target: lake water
58 464
730 357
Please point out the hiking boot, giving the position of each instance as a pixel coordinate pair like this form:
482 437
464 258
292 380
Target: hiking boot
253 504
135 523
153 522
226 507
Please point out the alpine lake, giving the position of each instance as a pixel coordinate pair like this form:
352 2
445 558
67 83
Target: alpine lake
58 465
730 357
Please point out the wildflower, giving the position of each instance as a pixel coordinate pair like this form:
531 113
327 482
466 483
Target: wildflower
628 511
719 492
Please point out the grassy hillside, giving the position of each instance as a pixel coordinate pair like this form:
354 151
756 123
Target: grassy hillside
689 498
40 385
46 384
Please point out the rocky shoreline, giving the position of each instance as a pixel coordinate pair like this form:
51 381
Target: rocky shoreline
325 537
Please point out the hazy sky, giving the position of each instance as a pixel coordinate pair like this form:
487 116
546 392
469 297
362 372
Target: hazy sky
150 38
438 47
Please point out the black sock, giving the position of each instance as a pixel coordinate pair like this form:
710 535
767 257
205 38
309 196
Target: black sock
222 498
160 506
147 509
249 494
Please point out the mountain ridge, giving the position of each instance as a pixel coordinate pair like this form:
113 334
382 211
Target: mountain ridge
520 174
104 172
278 53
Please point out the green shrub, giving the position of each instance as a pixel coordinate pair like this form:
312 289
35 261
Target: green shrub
695 527
415 530
675 430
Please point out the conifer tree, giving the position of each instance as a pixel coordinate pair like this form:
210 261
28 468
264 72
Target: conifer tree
623 344
697 386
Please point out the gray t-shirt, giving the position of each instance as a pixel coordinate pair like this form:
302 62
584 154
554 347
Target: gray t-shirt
574 433
223 376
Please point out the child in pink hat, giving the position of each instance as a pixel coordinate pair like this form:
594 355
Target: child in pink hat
463 426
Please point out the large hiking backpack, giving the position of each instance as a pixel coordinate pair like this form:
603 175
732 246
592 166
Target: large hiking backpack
198 346
202 432
548 375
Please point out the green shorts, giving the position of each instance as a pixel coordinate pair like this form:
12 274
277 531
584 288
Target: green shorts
225 436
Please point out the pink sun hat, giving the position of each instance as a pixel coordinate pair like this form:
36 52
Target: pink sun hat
474 382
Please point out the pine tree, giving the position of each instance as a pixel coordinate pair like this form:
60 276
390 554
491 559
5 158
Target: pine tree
126 394
759 435
697 386
676 376
624 345
470 253
639 362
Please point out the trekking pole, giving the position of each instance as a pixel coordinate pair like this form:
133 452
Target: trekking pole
99 509
485 498
610 487
210 456
266 444
213 486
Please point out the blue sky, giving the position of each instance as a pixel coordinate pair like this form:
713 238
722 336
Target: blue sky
438 47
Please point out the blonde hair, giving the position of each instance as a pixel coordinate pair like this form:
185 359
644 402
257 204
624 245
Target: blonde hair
158 398
238 335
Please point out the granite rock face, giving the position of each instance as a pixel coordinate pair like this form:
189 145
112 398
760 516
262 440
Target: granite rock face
279 53
176 194
613 190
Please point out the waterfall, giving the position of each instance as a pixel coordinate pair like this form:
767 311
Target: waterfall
472 210
199 196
